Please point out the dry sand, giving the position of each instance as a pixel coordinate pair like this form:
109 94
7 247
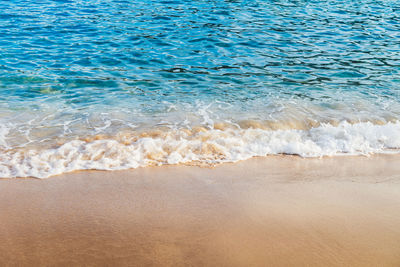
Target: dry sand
274 211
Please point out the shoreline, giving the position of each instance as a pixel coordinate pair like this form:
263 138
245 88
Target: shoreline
199 145
277 210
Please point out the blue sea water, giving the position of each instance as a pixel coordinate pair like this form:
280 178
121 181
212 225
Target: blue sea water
122 84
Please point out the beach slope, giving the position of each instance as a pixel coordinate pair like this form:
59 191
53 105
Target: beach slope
275 211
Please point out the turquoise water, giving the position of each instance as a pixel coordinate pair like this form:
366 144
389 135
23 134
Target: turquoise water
163 82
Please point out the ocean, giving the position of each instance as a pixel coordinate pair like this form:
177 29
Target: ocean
117 84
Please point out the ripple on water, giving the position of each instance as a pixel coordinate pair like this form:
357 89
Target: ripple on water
72 69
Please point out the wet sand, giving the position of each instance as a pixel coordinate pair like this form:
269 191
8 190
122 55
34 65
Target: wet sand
274 211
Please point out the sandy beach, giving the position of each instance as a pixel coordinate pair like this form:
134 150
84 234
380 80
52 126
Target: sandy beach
199 133
274 211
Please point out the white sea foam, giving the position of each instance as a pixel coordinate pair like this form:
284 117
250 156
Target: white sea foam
204 146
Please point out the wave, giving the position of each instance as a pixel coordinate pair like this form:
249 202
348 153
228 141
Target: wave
198 145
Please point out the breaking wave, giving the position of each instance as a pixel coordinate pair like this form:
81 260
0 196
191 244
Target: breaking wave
198 145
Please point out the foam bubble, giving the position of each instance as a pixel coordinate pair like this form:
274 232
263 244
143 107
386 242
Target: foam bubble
199 145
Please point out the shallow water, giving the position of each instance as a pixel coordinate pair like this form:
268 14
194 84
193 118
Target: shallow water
165 82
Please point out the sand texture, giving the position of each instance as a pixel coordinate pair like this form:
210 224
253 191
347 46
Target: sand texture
274 211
